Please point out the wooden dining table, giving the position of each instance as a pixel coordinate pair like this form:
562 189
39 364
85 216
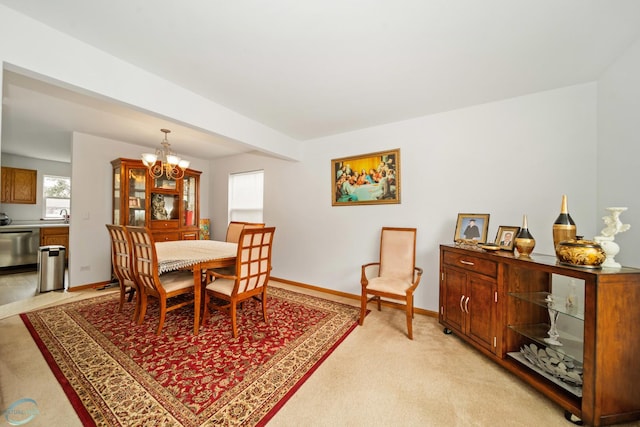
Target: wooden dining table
197 255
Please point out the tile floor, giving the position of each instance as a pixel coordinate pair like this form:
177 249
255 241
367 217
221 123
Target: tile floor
17 285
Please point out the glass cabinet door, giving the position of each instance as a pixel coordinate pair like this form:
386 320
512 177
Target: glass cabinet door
189 200
137 196
116 197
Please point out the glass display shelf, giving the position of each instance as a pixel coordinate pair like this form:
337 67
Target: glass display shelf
576 390
558 303
165 183
571 347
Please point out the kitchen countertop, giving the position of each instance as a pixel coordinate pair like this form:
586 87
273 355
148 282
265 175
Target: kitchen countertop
17 225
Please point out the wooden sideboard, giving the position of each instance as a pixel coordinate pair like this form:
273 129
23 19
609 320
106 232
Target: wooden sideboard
500 303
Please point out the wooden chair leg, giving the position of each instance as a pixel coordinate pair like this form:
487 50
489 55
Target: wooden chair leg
131 293
163 314
378 300
232 312
410 316
143 307
363 306
264 304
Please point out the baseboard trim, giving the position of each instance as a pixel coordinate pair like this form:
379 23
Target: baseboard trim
352 296
89 286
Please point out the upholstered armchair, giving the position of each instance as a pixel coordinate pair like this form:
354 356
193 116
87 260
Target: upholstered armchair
395 275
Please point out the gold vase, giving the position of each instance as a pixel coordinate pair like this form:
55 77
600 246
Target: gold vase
524 241
564 228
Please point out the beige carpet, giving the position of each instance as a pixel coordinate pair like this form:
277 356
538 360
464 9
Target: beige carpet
376 377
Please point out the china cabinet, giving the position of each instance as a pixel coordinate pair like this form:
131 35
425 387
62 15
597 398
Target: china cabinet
19 185
593 372
170 208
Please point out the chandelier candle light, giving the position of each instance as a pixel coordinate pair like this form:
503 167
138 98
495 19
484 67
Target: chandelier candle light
170 164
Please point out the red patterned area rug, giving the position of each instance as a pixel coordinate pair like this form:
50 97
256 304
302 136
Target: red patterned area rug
117 373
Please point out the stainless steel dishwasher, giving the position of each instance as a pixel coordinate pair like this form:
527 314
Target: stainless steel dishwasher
19 247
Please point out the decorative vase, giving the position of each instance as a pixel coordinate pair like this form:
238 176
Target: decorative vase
524 241
563 228
607 235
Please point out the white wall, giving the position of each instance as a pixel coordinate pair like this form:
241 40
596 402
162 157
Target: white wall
28 47
91 204
619 149
506 158
44 167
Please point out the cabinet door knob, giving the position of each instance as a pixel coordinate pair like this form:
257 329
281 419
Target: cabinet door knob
466 305
461 299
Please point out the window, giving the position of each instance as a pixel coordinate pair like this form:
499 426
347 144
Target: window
245 196
57 196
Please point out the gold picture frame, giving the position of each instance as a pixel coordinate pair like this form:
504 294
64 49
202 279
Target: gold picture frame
471 227
366 179
505 237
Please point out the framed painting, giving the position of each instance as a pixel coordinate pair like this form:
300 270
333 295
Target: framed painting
506 236
472 227
366 179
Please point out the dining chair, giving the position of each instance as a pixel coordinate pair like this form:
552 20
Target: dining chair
235 228
250 279
121 261
161 286
233 235
395 276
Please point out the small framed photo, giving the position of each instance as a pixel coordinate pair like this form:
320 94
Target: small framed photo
134 202
506 236
472 227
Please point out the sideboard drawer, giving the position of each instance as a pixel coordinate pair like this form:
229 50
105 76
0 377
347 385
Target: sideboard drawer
470 262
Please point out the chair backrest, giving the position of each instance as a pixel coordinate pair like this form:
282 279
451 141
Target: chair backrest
145 259
235 229
120 253
253 262
398 253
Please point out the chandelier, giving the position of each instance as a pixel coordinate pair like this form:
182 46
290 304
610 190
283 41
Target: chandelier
169 163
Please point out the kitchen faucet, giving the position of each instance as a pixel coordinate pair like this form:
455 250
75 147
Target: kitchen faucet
65 216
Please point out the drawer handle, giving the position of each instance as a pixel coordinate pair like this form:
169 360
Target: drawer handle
466 262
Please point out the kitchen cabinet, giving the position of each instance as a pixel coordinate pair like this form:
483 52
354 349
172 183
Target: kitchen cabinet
55 236
605 354
168 207
19 185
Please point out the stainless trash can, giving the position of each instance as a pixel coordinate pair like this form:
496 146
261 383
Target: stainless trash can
51 268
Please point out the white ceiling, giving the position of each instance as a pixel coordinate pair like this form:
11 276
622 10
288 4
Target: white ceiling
315 68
